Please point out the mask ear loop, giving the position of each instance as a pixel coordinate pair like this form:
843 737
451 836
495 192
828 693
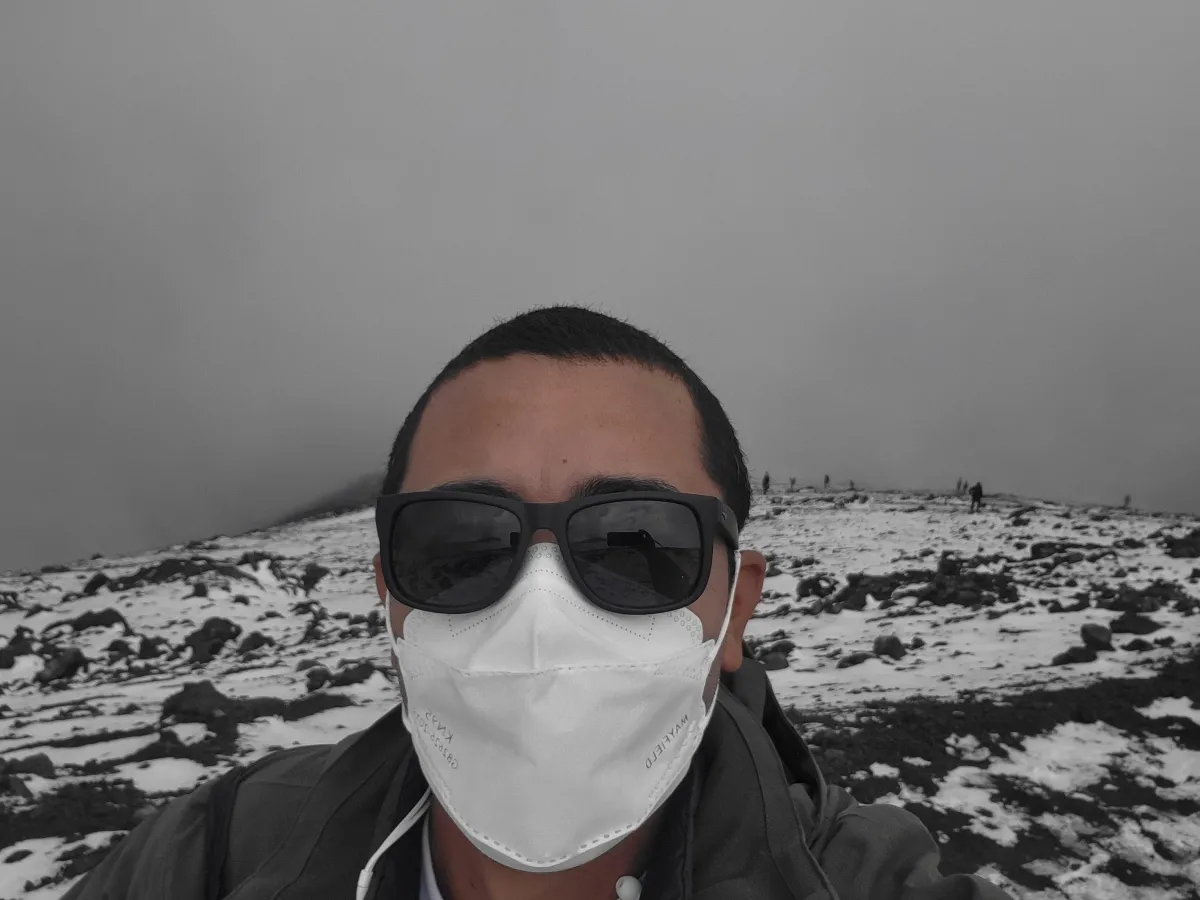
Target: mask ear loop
737 569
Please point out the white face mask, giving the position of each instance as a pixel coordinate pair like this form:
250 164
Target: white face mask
548 728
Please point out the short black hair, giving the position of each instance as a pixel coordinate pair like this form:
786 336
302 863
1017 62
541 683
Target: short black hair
580 334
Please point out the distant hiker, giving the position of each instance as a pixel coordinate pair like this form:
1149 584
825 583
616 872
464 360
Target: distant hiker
1126 503
958 487
976 496
852 487
506 769
766 481
826 482
792 484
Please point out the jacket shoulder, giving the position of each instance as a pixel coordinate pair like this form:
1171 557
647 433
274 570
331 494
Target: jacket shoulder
169 853
884 852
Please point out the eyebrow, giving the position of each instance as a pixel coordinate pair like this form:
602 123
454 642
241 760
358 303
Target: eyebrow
589 487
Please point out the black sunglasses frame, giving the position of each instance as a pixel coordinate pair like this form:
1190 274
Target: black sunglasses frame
715 519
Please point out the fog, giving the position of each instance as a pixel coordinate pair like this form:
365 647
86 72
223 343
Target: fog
904 243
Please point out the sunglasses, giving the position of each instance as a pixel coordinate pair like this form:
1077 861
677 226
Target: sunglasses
632 552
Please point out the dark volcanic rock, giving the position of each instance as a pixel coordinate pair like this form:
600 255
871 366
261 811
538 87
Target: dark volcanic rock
14 786
1137 645
1148 599
63 666
253 641
1046 549
201 702
318 677
889 645
1096 636
773 662
94 584
1134 623
854 659
118 649
104 618
152 647
38 764
858 587
178 570
1186 547
313 573
208 640
1074 655
816 586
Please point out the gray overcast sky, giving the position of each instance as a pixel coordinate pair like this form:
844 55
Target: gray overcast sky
903 242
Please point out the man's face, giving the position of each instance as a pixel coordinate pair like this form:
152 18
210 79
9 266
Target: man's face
542 427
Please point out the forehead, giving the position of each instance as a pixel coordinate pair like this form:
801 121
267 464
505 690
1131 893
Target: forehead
542 426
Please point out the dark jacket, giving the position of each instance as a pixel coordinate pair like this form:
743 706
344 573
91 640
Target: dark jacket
755 820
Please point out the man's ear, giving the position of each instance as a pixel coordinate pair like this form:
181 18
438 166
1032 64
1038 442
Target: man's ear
745 599
380 587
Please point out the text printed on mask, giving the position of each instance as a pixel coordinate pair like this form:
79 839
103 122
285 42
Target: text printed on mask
438 733
661 747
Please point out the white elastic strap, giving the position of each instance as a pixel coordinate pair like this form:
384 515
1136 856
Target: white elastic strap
414 816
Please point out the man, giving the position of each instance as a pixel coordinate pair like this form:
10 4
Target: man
566 596
976 496
766 482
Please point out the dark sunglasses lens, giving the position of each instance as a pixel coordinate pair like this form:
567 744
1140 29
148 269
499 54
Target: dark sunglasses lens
452 554
638 556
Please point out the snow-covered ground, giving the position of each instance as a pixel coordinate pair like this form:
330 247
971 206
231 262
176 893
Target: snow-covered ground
919 644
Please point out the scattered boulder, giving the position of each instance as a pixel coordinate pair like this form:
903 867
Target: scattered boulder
94 584
199 589
355 674
63 666
118 649
1095 636
306 664
253 641
208 640
1134 623
916 643
178 570
1074 655
773 662
1186 547
889 645
859 587
855 658
14 786
201 702
1047 549
104 618
1137 645
949 566
816 586
152 647
39 764
1148 599
318 677
17 855
313 573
